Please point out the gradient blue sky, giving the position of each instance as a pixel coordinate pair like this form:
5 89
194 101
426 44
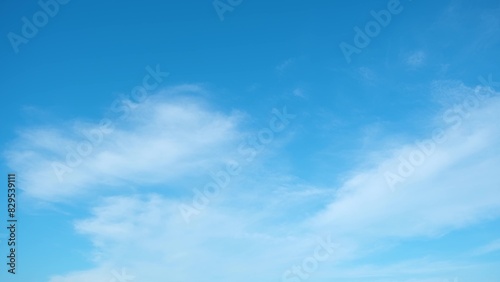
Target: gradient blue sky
324 174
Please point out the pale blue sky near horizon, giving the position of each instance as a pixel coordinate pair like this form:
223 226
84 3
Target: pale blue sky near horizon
352 121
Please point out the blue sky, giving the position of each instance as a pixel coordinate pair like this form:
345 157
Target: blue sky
239 141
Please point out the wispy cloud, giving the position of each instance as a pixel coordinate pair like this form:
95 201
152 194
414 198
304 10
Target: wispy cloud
165 138
453 189
367 74
488 248
298 92
285 65
416 59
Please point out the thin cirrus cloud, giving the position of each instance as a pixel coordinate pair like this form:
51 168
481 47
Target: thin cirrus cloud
456 185
453 189
173 247
491 247
161 139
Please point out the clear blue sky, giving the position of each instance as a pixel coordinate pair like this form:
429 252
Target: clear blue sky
370 124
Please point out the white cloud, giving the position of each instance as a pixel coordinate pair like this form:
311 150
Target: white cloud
285 65
245 236
162 139
488 248
147 236
298 92
453 188
416 59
